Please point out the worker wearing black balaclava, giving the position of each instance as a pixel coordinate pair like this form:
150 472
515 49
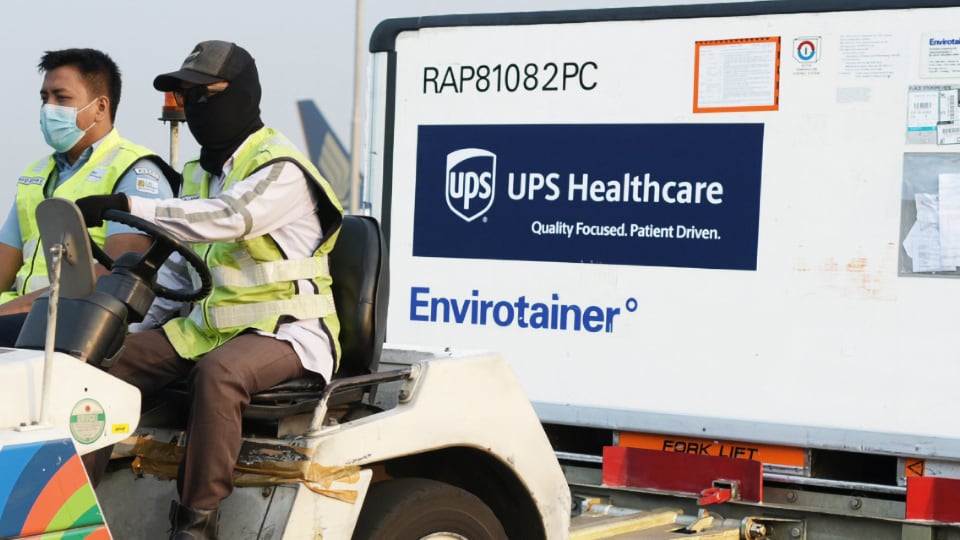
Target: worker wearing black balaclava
265 221
219 118
225 119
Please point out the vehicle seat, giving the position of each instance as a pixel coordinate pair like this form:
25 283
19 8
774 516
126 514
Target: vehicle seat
360 271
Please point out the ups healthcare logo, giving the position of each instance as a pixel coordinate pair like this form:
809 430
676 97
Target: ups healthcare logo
471 182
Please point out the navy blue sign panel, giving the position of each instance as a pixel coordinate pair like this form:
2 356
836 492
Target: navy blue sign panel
682 195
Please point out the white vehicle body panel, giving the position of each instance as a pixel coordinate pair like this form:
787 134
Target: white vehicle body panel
76 388
814 340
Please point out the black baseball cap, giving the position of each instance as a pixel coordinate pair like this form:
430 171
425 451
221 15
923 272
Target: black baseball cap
209 62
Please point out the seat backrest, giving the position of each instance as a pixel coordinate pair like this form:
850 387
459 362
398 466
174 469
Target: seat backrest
361 282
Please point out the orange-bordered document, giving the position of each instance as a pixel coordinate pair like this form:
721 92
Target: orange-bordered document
734 75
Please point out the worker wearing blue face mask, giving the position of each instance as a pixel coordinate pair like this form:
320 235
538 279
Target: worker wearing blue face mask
79 95
59 125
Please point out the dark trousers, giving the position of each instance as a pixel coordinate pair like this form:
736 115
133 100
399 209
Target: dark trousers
221 384
10 326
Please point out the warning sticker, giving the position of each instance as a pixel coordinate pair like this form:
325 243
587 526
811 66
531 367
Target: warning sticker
778 455
87 421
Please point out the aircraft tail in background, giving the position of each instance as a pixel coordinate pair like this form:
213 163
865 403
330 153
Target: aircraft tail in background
325 150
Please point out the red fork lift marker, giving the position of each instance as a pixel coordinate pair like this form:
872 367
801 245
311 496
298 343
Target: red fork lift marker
685 473
933 498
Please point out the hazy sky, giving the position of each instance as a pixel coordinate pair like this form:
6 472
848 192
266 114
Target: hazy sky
303 49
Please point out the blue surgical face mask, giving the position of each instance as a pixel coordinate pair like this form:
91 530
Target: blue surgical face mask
59 126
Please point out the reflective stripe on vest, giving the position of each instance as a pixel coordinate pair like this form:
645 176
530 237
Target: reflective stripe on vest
299 307
269 272
30 247
35 283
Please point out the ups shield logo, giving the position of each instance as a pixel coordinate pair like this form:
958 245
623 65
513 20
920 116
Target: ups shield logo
471 179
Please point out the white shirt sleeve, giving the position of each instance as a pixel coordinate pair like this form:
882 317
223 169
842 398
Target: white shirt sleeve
269 199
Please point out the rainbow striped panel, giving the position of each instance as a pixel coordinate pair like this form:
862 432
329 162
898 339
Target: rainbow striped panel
45 494
97 532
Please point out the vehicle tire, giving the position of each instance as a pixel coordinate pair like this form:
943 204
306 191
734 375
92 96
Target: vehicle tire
420 509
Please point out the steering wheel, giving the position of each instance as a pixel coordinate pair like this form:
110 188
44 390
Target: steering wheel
148 264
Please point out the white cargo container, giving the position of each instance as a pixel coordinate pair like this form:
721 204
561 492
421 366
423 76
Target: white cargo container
729 230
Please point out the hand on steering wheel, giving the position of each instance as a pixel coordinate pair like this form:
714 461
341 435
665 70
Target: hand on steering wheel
164 243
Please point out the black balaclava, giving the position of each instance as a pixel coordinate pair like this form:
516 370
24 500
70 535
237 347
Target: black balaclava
223 121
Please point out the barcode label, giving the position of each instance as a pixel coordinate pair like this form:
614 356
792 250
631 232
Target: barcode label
948 134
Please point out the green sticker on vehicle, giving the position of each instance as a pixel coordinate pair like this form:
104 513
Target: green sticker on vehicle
87 421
